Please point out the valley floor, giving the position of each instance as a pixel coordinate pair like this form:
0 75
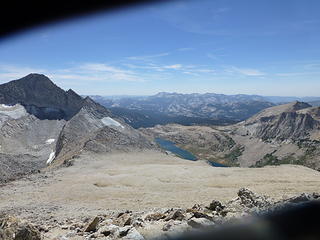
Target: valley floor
98 184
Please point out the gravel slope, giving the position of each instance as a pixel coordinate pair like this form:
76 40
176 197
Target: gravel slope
144 180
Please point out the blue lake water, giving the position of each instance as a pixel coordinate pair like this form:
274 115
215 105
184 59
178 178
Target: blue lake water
170 146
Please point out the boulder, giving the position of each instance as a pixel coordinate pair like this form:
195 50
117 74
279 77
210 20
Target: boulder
175 215
123 220
12 228
133 234
155 216
200 222
92 226
198 214
175 226
216 206
123 231
109 230
250 199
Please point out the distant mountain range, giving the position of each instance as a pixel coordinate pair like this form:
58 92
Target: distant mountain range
191 109
186 109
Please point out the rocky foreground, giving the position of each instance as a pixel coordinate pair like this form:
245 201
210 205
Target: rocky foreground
156 224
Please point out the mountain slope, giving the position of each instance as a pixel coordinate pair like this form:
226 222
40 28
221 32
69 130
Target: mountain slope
288 133
42 124
284 122
94 128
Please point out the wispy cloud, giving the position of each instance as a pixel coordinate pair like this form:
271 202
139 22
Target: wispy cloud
148 57
101 72
185 49
246 71
82 72
174 66
10 72
293 74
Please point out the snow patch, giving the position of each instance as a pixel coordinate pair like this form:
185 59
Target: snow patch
13 111
108 121
51 157
49 141
6 106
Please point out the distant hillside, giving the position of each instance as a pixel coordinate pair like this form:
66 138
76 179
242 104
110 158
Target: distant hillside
315 103
283 100
148 118
186 109
284 134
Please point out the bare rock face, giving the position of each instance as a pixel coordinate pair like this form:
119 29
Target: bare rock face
41 97
292 121
95 129
15 229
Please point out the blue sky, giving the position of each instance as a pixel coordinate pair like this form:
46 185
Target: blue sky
265 47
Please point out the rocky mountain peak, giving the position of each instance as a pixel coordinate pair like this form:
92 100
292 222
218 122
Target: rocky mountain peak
299 105
290 121
41 97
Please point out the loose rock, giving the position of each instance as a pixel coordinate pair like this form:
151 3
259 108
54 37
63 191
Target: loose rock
12 228
175 215
124 220
92 226
200 222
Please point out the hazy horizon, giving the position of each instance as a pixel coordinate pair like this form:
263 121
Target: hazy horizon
266 48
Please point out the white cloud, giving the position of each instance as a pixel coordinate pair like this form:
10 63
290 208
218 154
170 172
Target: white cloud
293 74
185 49
11 72
148 57
175 66
82 72
247 71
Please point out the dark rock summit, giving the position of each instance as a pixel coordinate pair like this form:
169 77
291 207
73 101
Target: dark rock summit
41 97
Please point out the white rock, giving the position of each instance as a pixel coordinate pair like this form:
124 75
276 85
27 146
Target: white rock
133 234
199 222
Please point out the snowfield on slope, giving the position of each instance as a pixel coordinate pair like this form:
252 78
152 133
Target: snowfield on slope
108 121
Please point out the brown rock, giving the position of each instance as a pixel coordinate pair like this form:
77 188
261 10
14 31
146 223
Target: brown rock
155 216
92 226
12 228
175 215
124 220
